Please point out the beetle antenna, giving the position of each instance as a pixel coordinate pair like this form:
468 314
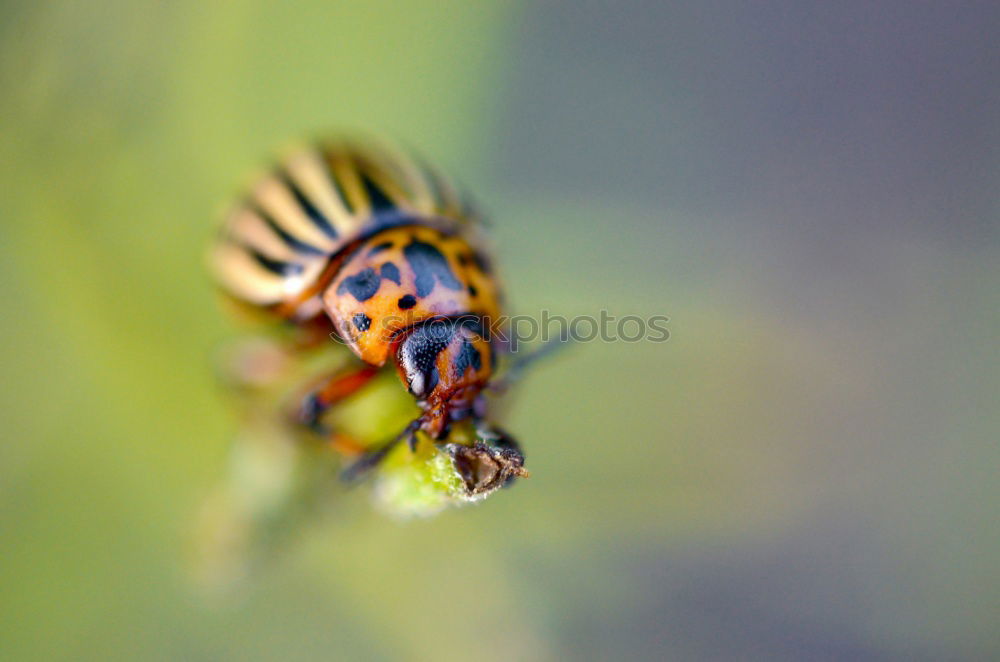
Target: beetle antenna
519 364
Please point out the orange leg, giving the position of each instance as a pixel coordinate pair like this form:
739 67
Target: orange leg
333 390
346 445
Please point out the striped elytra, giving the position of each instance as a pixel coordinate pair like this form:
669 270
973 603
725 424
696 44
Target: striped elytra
317 203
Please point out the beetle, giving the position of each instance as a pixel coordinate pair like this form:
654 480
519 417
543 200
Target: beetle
365 242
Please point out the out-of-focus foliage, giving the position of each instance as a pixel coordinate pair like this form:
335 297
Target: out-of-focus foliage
804 471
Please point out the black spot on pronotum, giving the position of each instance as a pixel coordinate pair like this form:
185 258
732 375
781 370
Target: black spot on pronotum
361 321
362 285
482 262
407 301
429 266
472 290
378 248
390 272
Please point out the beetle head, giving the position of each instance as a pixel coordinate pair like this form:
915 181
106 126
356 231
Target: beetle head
445 363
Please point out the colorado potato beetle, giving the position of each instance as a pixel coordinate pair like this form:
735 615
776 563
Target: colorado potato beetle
364 242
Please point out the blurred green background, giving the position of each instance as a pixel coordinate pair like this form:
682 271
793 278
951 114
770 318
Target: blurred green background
806 470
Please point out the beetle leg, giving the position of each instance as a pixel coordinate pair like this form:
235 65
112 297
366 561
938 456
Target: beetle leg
371 458
333 390
345 444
